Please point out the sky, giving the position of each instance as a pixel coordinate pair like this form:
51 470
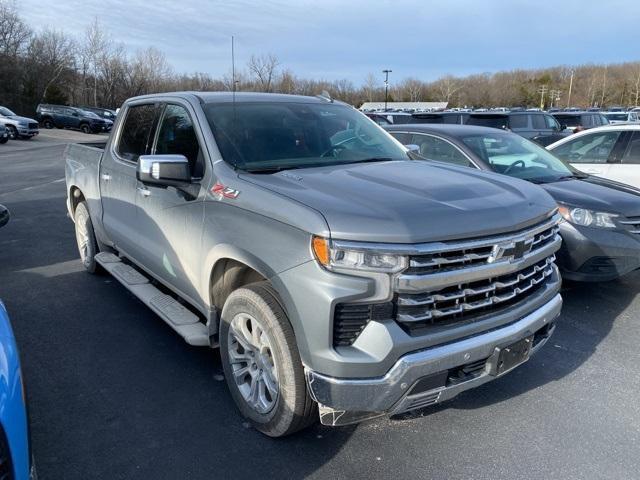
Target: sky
332 39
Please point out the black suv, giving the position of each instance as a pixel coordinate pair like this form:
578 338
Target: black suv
537 126
577 121
60 116
101 112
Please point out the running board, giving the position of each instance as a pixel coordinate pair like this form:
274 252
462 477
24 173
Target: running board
181 319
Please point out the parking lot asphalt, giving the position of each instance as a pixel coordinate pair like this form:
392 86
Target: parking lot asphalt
115 394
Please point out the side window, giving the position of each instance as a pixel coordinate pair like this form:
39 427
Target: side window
586 120
176 135
137 132
632 155
603 120
454 119
434 148
538 122
551 122
594 148
403 138
518 122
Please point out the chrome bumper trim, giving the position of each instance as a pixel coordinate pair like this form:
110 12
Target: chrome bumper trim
387 393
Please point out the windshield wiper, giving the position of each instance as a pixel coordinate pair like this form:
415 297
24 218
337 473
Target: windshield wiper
370 160
577 176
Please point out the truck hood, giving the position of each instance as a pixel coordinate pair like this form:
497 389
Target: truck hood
411 201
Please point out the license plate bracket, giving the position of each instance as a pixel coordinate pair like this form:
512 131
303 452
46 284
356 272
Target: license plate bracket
513 355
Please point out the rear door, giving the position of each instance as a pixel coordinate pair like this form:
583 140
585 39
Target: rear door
118 181
625 162
592 152
170 221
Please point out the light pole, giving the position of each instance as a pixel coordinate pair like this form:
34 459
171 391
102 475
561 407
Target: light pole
386 87
570 87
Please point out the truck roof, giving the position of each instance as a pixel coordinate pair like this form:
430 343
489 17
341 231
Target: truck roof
240 97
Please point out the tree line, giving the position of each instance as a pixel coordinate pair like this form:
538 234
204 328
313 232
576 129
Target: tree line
51 66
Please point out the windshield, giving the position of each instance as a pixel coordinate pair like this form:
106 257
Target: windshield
517 157
5 112
277 136
89 114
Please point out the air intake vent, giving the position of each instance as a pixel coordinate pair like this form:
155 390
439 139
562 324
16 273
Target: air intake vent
350 319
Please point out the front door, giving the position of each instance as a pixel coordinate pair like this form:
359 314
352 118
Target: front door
169 220
625 166
590 152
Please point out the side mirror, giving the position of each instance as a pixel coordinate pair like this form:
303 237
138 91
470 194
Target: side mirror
4 215
563 127
413 148
164 170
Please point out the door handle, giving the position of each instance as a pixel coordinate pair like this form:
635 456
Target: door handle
143 191
106 177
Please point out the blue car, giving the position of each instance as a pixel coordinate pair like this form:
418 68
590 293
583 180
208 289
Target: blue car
15 454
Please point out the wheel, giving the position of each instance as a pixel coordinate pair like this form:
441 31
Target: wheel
4 140
48 124
85 128
86 238
13 132
261 362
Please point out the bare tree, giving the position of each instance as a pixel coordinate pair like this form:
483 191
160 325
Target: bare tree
447 87
370 87
635 93
263 69
14 33
51 53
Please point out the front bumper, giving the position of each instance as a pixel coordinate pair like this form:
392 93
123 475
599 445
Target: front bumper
344 401
27 132
597 254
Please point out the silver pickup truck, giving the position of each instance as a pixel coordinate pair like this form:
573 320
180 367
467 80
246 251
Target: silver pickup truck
337 275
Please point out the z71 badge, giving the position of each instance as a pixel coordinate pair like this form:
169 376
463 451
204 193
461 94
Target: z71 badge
221 191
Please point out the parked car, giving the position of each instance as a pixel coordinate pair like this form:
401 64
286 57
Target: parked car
440 117
18 127
59 116
335 273
16 461
611 152
105 113
4 134
622 117
601 232
578 121
537 126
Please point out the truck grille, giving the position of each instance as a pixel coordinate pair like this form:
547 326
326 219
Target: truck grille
33 126
450 283
459 302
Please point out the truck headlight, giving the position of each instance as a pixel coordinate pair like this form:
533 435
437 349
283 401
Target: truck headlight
587 218
355 257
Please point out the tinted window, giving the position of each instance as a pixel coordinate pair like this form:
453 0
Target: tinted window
403 138
587 120
518 122
618 117
569 120
593 148
551 122
434 148
427 119
538 122
137 132
453 119
281 135
497 121
632 155
176 135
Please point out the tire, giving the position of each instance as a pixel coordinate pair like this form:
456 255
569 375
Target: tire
86 238
85 128
13 132
48 124
4 140
256 307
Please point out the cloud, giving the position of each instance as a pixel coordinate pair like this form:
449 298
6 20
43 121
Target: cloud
336 39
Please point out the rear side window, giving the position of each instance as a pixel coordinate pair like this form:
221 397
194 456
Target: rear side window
538 122
453 119
632 155
587 120
518 122
137 132
551 122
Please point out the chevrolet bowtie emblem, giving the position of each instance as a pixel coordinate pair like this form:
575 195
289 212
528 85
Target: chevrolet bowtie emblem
513 250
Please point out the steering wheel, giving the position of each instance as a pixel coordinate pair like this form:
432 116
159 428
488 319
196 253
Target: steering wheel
334 150
521 162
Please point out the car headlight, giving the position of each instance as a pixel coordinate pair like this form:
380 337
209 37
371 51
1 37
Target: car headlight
345 257
587 218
